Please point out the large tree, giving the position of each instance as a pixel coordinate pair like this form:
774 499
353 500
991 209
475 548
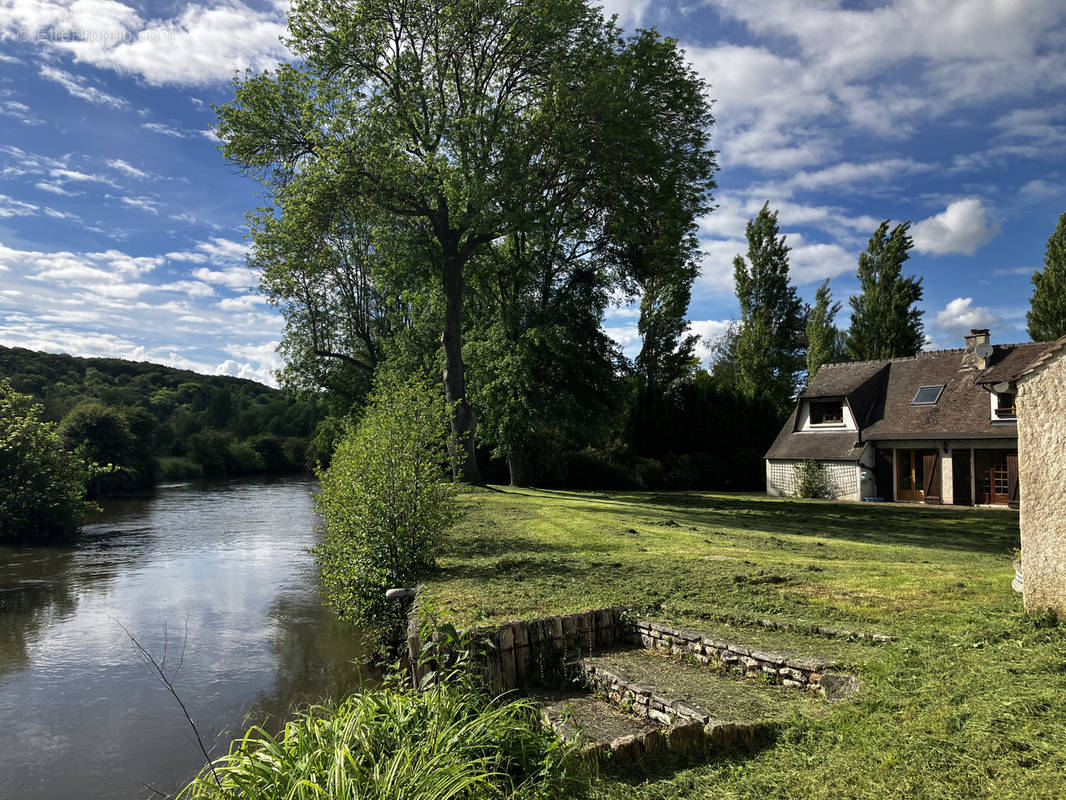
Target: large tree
445 127
824 340
1047 312
885 319
453 114
767 352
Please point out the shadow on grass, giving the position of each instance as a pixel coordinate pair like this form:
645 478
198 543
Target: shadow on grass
992 531
663 766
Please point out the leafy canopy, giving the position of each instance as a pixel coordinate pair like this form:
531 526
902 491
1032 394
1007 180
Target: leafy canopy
770 335
1047 311
824 343
42 484
885 319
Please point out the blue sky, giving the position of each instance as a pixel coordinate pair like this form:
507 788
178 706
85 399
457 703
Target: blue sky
121 228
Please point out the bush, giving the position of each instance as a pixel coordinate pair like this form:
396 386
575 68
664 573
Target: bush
444 742
176 468
242 458
812 480
385 500
42 485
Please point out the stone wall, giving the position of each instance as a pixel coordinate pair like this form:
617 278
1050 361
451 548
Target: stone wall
523 653
1042 477
811 674
541 651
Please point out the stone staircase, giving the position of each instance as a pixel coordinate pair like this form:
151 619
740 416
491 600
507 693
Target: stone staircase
635 703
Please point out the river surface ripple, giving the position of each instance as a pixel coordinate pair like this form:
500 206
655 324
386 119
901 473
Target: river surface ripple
217 570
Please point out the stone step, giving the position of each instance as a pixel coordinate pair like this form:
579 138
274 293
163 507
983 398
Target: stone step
668 689
611 735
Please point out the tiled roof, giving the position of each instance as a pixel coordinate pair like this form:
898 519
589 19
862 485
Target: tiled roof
841 380
880 394
1046 355
821 445
1010 359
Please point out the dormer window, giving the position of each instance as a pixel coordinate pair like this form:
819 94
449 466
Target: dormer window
927 395
827 412
1005 405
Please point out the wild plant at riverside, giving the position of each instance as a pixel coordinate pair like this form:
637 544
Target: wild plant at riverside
448 741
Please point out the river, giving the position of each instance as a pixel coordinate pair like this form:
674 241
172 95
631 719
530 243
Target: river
219 572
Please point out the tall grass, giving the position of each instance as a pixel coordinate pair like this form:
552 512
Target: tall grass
438 744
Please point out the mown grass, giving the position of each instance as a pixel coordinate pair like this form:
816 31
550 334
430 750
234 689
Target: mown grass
968 702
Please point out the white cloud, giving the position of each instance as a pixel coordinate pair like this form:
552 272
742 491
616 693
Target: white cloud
166 130
709 331
963 227
202 45
55 189
121 166
10 207
143 203
630 12
77 87
20 111
1040 188
960 315
245 302
75 176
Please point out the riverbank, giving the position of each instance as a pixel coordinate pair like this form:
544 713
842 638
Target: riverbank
968 701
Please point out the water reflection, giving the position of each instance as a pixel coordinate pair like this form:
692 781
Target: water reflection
225 565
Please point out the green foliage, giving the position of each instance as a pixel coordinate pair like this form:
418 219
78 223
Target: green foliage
385 502
1047 312
42 484
812 480
769 339
446 742
135 415
885 319
394 179
172 468
824 344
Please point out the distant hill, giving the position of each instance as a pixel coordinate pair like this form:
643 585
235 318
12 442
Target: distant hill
186 422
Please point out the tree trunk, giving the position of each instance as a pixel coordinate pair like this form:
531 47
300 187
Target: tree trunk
516 465
464 423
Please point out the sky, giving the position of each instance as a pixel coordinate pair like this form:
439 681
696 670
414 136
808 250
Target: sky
122 229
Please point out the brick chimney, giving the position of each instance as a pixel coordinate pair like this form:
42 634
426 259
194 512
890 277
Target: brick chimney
970 358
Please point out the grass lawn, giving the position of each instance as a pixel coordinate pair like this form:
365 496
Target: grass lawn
969 701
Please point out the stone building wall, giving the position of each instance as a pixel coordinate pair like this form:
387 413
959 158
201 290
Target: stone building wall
1042 477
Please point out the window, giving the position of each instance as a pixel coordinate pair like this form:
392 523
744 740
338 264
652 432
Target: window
1005 405
827 412
927 395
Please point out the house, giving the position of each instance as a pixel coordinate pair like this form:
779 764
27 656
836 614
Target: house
940 427
1042 474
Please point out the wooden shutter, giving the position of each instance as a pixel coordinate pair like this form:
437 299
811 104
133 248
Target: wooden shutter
1012 480
931 470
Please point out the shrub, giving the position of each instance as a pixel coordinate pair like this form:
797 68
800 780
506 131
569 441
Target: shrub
175 468
812 480
42 485
242 457
444 742
385 501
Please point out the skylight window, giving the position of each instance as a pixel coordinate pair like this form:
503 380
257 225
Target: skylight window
927 395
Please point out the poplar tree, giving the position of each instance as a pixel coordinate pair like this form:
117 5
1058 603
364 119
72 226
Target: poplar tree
1047 308
885 319
769 340
823 338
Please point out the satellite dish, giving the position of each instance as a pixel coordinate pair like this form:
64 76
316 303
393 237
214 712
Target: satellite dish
983 350
1002 386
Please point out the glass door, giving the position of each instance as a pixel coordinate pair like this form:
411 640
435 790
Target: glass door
911 474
